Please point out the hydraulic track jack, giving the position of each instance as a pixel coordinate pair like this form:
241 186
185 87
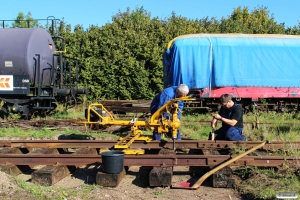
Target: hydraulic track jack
157 121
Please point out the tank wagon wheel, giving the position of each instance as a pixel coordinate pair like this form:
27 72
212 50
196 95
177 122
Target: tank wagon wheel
3 114
25 117
43 113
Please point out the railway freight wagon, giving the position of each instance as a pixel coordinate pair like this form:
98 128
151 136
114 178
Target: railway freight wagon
260 71
33 76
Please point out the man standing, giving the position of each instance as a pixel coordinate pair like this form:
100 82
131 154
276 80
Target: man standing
162 98
231 115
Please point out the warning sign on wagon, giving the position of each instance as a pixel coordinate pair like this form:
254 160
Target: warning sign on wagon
6 83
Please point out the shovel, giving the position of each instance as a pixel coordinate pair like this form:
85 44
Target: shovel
189 186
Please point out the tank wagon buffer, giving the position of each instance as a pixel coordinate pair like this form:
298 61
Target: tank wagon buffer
33 74
95 116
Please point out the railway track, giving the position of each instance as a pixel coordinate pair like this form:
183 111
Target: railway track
57 155
181 144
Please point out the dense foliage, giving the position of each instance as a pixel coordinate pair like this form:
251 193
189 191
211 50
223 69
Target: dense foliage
123 59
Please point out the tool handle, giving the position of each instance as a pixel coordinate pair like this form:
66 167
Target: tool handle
212 134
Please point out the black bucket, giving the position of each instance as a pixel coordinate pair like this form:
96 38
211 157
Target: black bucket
113 161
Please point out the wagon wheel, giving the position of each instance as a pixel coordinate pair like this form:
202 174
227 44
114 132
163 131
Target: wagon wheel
43 113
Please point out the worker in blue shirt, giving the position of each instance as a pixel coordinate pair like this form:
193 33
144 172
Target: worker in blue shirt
162 98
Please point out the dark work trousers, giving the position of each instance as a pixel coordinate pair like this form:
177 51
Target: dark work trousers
229 133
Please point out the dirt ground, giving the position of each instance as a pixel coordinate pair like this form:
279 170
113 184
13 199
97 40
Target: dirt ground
133 186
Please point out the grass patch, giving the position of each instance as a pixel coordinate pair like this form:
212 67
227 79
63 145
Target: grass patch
48 134
42 133
265 183
36 190
57 193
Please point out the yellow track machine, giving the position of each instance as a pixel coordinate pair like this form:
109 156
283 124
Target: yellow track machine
157 121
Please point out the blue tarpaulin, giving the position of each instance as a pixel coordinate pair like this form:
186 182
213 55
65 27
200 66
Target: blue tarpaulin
239 60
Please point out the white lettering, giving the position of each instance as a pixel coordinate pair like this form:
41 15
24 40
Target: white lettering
8 64
25 80
287 195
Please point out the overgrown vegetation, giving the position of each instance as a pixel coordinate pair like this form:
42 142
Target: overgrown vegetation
265 183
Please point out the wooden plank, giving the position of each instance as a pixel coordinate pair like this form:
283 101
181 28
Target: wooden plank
109 180
49 175
161 176
223 177
44 151
13 169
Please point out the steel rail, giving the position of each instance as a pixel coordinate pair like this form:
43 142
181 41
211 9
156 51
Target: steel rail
80 122
108 144
146 160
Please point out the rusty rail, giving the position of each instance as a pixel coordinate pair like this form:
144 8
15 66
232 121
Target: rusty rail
79 122
190 144
146 160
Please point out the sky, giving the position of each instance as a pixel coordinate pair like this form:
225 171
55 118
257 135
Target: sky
100 12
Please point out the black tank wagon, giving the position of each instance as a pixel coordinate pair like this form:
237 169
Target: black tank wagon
33 76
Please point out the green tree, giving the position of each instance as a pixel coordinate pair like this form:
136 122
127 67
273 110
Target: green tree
122 59
24 21
259 21
295 30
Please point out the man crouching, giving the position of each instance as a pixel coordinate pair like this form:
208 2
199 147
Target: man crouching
231 115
